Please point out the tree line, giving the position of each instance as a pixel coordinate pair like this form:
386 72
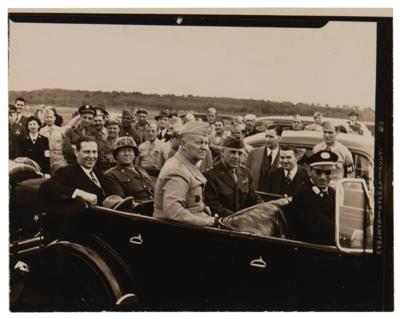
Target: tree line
119 99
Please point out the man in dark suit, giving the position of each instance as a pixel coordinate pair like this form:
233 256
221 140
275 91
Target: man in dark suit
229 185
19 106
311 214
81 181
288 178
262 159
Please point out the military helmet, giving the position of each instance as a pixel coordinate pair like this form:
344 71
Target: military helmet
124 141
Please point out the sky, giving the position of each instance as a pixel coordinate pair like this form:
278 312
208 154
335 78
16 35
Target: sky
333 65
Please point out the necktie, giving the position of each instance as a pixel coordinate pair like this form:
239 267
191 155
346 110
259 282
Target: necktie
288 176
94 179
328 148
270 158
234 176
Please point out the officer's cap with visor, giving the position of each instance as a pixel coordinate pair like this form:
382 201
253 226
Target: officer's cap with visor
87 109
232 142
195 128
143 111
124 141
325 160
112 122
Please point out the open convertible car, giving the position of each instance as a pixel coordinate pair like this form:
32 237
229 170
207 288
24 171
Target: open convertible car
125 259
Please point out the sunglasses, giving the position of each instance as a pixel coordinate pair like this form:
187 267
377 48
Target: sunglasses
322 171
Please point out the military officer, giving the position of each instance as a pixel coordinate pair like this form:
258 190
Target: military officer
140 126
179 188
311 214
127 126
106 158
85 128
133 181
229 185
355 126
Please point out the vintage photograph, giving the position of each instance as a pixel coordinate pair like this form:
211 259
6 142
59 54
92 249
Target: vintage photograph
200 162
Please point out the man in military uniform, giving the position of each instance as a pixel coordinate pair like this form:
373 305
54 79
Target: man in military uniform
150 151
229 185
16 132
354 125
106 158
140 126
179 188
311 214
85 128
98 123
317 125
133 181
344 165
127 127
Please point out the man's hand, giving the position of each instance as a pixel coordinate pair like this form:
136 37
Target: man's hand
87 197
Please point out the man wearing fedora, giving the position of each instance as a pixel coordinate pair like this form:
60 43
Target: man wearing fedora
354 125
162 119
229 185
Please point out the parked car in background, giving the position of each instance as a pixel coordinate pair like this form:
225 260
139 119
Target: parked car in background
286 120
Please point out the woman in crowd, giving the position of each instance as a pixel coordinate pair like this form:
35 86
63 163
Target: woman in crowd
34 145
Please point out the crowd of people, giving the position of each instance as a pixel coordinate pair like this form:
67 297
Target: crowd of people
195 171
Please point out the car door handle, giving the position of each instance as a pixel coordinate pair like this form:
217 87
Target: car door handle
137 240
259 263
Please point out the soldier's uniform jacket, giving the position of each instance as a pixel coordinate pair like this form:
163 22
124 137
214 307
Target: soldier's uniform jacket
136 183
71 138
311 214
355 127
149 156
344 164
141 131
224 196
106 159
16 134
179 192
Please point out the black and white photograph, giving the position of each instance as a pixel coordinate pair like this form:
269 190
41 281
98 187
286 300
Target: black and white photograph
200 160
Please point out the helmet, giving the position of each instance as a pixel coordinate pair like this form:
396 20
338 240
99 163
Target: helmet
124 141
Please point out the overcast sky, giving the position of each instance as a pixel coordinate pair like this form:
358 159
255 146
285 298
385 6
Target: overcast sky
333 65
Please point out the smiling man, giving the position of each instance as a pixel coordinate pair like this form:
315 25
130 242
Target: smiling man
81 181
311 214
179 188
229 185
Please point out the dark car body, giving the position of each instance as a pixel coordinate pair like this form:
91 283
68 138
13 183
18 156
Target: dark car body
114 260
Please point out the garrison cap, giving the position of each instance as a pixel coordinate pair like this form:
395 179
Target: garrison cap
322 158
212 110
163 113
112 122
353 113
87 109
196 128
233 142
12 108
143 111
124 141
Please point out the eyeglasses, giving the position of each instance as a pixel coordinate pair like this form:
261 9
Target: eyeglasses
322 171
